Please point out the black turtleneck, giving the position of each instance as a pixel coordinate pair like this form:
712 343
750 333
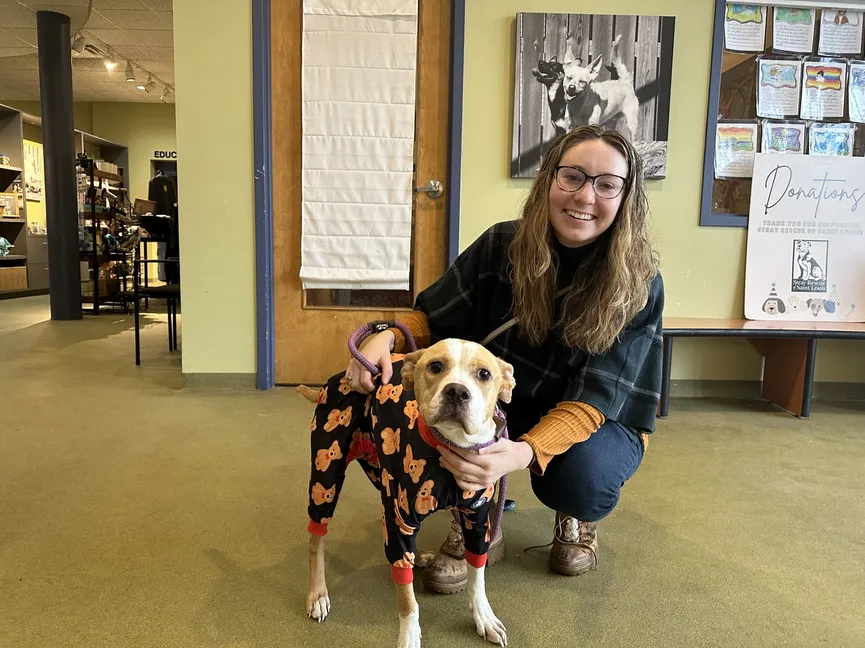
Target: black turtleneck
569 259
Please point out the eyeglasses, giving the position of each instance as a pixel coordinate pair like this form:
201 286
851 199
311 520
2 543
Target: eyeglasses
606 185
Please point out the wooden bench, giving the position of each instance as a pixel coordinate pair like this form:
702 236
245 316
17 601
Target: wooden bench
788 348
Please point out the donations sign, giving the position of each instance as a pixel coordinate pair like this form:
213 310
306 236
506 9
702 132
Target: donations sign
806 239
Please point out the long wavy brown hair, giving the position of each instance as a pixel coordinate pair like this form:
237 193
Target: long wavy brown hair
613 283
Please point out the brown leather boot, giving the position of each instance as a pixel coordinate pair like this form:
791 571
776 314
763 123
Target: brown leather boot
448 572
575 546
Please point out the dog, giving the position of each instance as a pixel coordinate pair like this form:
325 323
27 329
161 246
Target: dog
613 104
816 305
552 74
451 388
808 266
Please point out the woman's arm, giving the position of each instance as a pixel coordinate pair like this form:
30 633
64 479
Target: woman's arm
622 384
569 423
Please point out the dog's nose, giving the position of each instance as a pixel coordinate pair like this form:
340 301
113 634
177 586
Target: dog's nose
456 393
572 89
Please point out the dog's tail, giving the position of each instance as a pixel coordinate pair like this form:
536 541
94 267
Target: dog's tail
308 393
621 69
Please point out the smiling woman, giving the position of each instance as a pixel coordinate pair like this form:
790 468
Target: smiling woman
577 275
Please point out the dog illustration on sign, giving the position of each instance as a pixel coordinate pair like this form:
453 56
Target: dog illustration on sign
810 260
773 304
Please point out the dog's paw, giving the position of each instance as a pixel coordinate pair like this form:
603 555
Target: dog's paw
488 625
409 632
318 606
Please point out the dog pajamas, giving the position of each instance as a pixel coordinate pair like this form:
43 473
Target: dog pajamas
384 433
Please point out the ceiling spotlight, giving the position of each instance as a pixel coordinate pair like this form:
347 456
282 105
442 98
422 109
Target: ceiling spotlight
151 86
79 44
110 65
167 94
130 73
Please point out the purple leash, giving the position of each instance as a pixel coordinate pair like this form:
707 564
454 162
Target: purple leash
372 328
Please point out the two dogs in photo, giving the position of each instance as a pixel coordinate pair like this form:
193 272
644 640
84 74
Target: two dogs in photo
576 98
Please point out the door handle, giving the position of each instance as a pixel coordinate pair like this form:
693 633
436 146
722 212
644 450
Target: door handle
433 189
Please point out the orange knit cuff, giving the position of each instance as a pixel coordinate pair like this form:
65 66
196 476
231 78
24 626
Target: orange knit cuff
416 322
568 423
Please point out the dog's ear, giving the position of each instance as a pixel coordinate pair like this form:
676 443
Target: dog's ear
569 56
408 366
508 382
809 302
781 307
595 67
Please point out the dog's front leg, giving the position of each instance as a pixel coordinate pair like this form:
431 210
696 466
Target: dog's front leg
409 617
317 600
486 622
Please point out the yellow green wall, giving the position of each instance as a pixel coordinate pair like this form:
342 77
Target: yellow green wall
142 128
213 69
82 112
703 267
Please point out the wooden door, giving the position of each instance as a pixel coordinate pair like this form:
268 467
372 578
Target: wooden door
311 328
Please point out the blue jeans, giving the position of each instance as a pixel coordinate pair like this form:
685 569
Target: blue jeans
585 481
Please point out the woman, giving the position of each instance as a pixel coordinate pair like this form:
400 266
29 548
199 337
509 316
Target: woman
587 363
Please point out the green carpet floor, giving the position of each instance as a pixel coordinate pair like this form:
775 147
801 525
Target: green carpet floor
133 513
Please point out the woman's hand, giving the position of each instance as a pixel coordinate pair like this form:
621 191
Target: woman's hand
477 470
377 349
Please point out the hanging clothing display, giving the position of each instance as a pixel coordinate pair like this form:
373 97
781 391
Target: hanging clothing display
163 192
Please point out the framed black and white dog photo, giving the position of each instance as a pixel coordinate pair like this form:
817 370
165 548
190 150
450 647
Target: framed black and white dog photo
577 69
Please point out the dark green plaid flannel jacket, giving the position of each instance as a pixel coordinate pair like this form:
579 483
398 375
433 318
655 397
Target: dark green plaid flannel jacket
475 296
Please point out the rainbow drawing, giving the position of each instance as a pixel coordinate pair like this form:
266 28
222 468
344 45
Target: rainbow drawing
744 13
822 77
793 16
736 138
781 138
779 75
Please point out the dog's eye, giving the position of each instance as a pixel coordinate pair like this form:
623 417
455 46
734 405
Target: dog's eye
436 367
484 375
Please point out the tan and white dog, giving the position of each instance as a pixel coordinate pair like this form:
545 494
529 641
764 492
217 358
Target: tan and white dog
456 387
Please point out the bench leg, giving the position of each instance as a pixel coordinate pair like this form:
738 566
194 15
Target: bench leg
664 405
788 372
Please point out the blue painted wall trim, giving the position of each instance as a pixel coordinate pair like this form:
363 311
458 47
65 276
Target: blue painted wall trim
455 128
262 146
707 216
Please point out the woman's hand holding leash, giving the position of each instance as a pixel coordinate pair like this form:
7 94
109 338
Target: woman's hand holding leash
377 349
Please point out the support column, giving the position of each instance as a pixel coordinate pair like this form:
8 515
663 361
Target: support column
55 81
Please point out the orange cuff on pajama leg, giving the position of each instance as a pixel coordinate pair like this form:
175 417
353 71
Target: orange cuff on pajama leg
316 528
401 575
475 560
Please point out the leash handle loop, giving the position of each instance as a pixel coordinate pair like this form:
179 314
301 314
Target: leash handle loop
363 332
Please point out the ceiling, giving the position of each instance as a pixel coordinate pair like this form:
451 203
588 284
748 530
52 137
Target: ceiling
139 32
